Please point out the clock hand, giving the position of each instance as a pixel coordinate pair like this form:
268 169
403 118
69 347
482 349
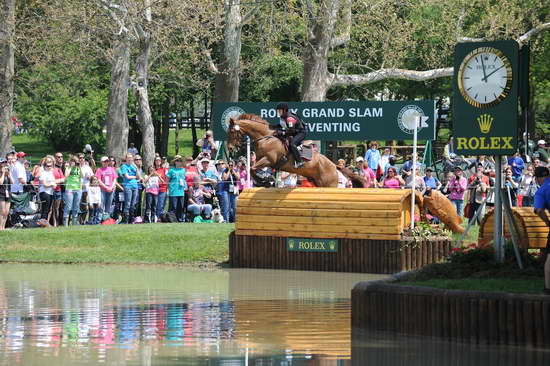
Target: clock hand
491 73
483 68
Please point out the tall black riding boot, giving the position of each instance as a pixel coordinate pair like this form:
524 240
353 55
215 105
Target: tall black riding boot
296 154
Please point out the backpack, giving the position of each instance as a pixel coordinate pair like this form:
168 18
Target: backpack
169 217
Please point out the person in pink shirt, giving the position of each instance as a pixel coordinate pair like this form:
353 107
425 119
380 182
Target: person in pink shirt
152 183
366 172
57 196
243 176
163 186
456 187
107 177
392 180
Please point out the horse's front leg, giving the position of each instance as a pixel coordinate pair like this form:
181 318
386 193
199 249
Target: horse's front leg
260 164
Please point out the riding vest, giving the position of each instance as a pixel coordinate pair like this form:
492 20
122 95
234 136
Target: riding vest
292 124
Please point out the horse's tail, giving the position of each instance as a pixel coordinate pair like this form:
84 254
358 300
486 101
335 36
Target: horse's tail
357 180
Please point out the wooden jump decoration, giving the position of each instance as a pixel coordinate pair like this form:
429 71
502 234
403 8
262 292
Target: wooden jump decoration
328 229
531 229
353 213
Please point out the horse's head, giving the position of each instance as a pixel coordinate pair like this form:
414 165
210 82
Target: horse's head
234 135
246 125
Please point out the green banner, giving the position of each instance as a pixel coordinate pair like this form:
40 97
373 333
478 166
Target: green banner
485 99
333 121
311 245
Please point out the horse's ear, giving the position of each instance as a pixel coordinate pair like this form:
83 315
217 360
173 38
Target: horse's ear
231 121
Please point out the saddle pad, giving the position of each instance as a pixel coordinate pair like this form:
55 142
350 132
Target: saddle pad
306 152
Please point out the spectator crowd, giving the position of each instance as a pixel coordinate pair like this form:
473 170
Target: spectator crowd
74 190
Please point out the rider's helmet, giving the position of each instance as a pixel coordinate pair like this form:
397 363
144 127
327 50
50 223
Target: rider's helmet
283 106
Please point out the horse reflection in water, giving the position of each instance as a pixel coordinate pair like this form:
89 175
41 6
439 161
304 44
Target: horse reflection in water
270 151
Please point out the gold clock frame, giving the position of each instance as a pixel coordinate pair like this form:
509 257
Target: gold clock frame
509 77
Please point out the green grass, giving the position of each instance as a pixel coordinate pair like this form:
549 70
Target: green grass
146 243
512 285
471 237
34 148
185 142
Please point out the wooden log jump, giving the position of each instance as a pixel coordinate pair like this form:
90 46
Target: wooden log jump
531 229
359 213
328 229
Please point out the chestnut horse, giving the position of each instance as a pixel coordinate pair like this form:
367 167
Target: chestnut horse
270 150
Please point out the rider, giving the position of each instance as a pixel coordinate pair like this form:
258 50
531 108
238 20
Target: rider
292 127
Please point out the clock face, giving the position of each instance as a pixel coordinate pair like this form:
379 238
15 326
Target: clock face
485 77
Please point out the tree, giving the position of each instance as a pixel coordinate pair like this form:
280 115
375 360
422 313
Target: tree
63 108
7 35
391 28
227 71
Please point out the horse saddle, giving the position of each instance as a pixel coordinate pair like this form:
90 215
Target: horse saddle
306 150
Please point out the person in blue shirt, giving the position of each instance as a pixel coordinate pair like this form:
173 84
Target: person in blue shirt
207 173
176 188
517 164
541 205
430 180
130 176
373 156
407 166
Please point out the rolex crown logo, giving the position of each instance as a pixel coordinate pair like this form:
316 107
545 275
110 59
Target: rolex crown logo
485 121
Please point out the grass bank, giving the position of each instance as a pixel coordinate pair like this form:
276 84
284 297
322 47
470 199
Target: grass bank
470 268
128 244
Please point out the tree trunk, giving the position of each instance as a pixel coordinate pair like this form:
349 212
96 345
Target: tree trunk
7 34
320 34
194 128
117 110
228 79
144 117
165 129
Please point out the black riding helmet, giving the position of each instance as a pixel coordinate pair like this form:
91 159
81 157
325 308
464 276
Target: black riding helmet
283 106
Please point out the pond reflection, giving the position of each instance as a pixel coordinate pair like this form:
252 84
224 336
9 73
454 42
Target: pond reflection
54 314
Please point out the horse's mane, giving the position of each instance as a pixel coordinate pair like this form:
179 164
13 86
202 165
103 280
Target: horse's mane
253 117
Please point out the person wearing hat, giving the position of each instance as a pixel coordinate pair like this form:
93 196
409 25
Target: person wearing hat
208 177
18 174
456 187
5 182
176 188
290 126
540 152
430 180
542 205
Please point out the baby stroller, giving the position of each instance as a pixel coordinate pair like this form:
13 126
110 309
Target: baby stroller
25 210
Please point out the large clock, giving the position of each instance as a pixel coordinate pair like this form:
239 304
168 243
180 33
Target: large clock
485 77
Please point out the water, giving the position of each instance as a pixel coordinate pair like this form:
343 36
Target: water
145 315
